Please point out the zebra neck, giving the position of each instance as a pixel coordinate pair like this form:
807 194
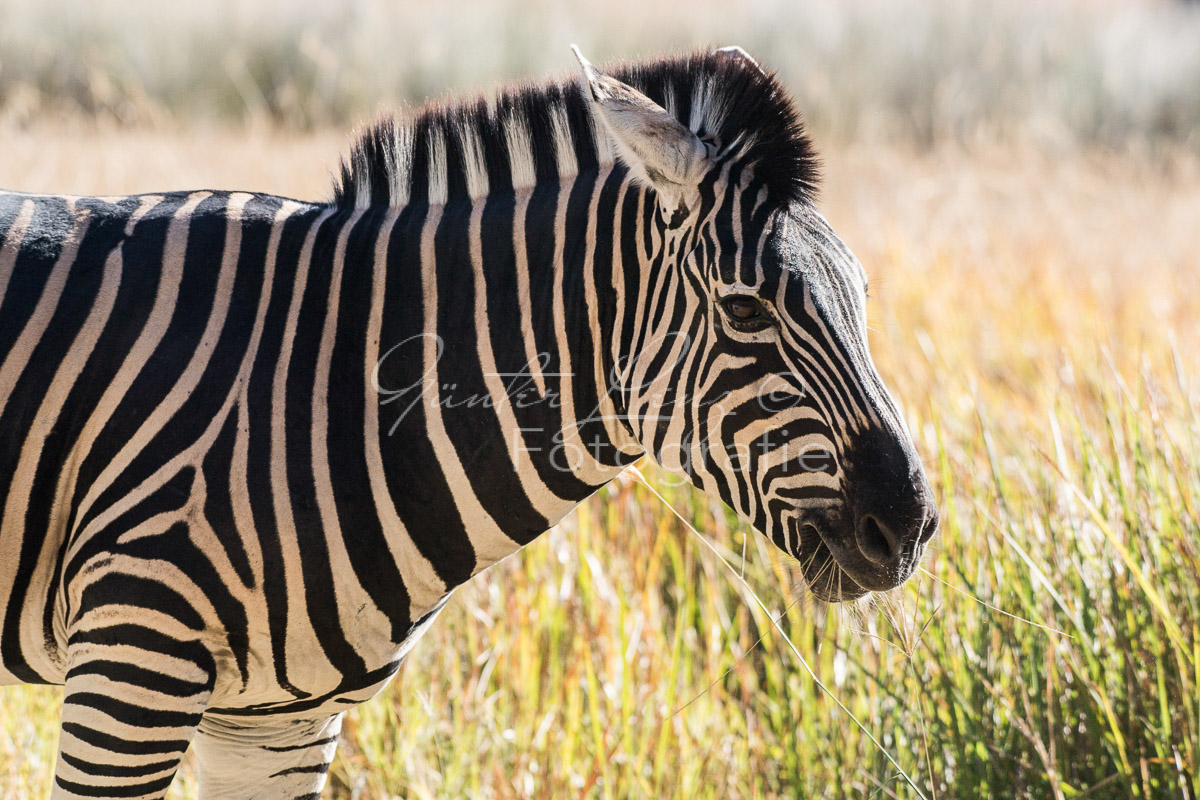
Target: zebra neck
493 358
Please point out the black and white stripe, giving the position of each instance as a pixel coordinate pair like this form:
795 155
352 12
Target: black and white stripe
249 445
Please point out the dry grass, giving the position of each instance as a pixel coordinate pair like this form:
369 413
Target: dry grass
924 71
1040 320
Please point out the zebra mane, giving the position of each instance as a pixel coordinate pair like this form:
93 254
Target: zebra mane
532 133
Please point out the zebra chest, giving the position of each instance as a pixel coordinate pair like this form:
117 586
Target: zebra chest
300 674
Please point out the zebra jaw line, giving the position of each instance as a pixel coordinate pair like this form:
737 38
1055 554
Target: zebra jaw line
250 445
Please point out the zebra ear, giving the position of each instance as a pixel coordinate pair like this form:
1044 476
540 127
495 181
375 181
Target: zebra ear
656 147
735 53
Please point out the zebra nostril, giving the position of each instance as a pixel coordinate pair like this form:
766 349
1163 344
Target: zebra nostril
878 543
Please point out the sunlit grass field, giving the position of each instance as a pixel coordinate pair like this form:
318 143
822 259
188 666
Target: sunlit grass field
1039 319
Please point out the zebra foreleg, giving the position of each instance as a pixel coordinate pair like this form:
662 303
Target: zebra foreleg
126 724
273 760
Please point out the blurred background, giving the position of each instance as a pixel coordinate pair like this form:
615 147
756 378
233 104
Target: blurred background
1053 74
1021 180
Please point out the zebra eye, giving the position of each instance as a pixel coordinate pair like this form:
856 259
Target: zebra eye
746 313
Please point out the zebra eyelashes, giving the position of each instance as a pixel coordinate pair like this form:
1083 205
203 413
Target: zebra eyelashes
746 313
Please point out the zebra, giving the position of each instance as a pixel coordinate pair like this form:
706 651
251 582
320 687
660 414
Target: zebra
250 445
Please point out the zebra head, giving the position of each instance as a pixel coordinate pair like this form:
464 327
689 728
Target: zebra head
743 364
